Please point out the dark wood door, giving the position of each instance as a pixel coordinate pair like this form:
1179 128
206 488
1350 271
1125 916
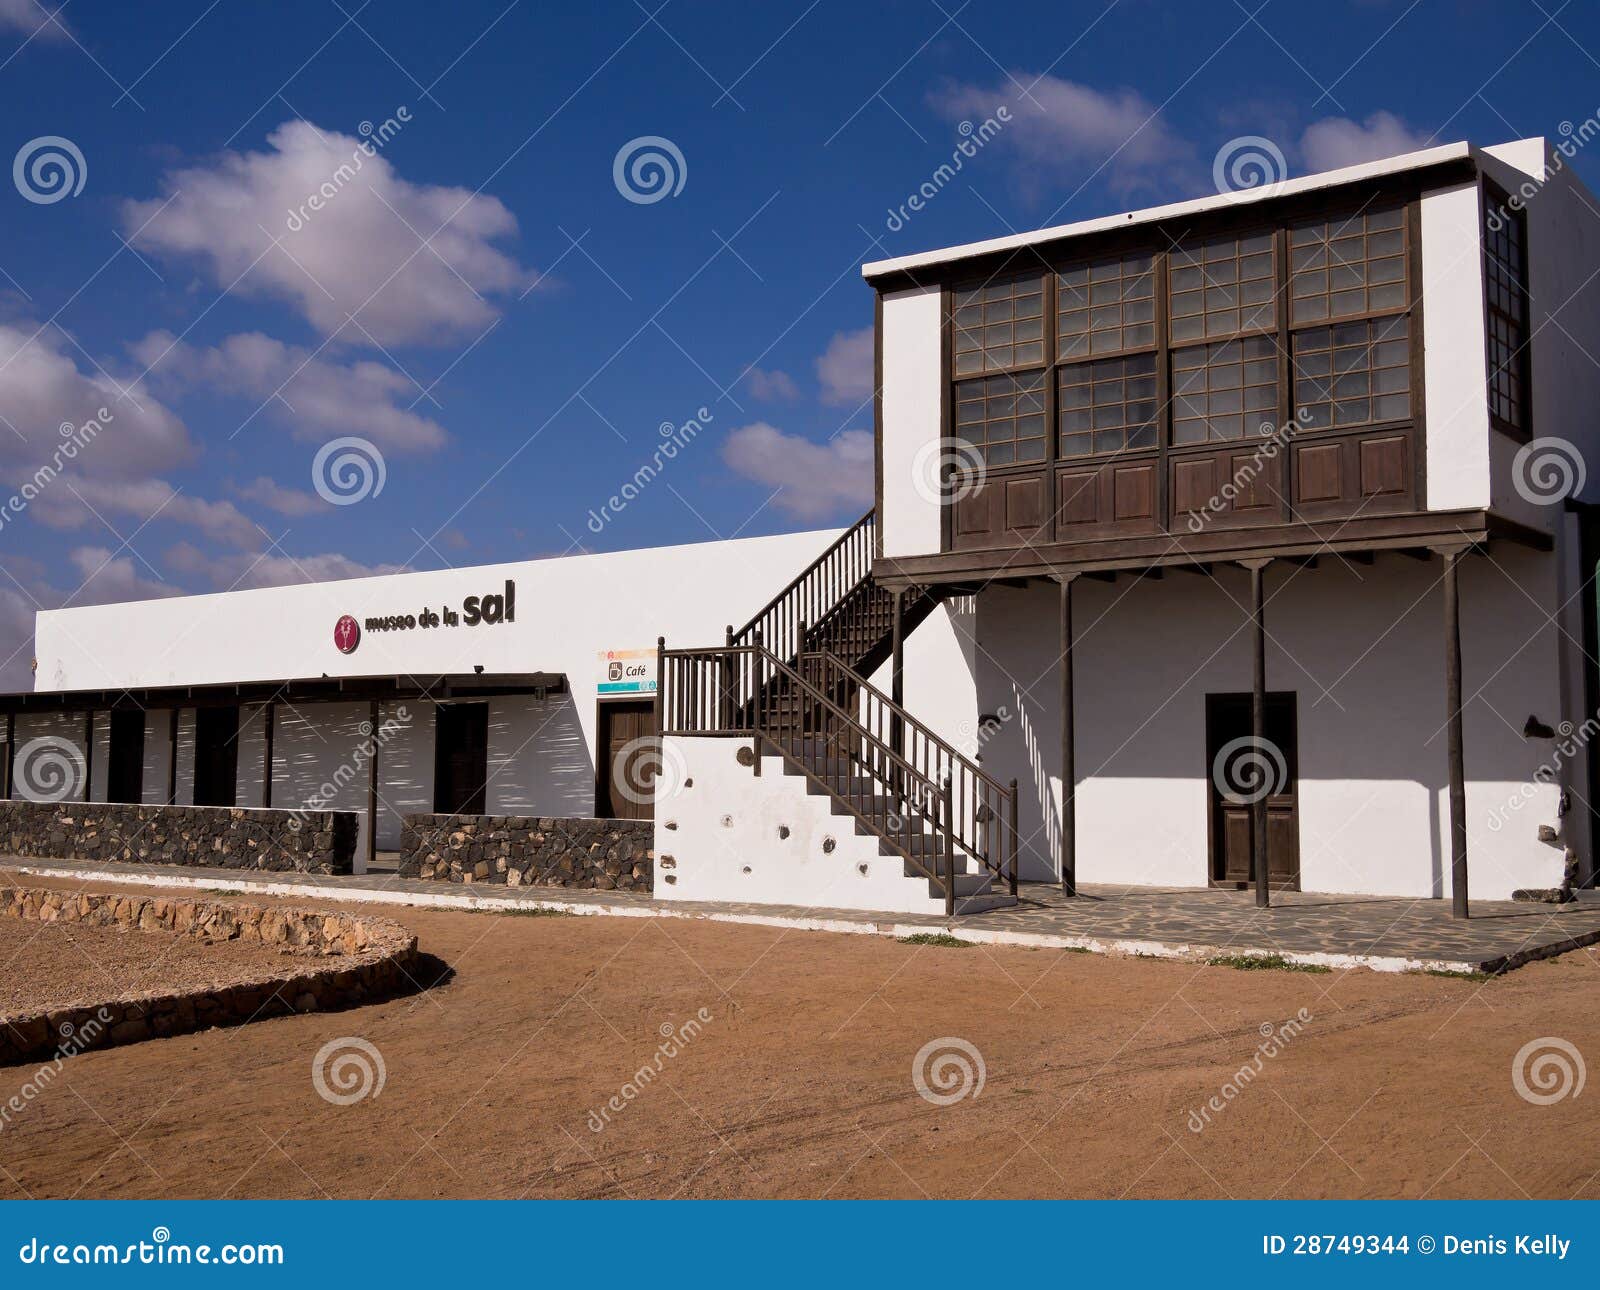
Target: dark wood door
629 755
216 756
461 758
1237 772
125 782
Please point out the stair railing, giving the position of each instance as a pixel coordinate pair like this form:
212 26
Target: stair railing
984 810
748 690
815 594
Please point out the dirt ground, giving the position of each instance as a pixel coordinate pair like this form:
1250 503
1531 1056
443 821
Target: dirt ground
790 1073
57 965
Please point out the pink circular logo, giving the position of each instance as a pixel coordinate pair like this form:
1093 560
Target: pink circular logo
347 634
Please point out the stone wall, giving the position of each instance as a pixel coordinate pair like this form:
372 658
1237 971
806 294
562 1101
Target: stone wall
220 836
331 960
529 851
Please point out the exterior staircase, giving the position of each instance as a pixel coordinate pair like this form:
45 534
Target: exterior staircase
794 679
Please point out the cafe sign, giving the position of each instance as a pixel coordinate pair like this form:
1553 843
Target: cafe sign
627 671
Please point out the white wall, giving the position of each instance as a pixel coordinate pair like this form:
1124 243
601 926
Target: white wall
912 381
1361 646
541 757
53 726
1454 364
718 839
157 756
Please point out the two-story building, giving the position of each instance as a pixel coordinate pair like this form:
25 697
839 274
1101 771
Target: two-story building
1259 519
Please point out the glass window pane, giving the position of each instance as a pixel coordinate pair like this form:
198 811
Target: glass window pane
1363 248
987 327
1121 294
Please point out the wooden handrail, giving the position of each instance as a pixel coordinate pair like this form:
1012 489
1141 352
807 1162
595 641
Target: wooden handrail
816 591
985 807
836 664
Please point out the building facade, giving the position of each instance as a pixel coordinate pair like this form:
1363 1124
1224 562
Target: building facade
1242 542
1358 404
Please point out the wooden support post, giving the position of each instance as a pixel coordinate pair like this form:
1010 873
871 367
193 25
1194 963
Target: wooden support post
88 753
757 697
1455 746
1011 824
730 673
1069 769
266 755
1258 732
372 790
949 850
172 756
11 747
661 682
897 674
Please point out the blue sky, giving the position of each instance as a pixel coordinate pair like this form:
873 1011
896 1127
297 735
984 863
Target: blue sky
482 303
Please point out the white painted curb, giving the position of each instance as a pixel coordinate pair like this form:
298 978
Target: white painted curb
1178 950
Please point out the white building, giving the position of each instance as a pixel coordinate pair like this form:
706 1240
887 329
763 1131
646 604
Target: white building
1246 525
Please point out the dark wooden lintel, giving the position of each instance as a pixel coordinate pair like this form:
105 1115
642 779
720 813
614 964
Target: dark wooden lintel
1412 533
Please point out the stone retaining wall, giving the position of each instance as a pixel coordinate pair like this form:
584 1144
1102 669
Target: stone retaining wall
331 960
529 851
222 837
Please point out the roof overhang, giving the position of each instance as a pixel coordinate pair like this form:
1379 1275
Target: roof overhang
295 690
1459 155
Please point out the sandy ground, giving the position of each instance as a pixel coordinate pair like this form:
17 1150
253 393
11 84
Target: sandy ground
800 1083
56 965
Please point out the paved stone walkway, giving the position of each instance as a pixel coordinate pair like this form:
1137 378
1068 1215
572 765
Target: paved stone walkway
1380 932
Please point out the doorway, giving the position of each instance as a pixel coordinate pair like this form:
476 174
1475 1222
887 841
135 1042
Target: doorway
461 759
626 761
1233 770
125 781
216 756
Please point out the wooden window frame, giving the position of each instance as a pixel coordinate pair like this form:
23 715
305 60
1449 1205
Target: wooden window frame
1361 212
1187 245
1154 269
1495 198
1158 241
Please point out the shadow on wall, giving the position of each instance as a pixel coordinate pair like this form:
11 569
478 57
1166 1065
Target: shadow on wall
540 762
1363 652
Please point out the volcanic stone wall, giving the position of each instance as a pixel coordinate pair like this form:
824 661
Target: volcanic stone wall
529 851
223 837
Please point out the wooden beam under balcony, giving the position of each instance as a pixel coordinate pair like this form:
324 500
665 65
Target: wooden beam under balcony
1416 532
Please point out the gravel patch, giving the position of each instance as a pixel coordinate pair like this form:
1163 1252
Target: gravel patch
57 965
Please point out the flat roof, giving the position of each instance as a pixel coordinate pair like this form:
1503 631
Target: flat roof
290 690
1443 154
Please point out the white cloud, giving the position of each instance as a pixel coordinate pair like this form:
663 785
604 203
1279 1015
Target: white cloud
246 216
1061 130
42 389
242 571
32 18
314 396
845 368
73 503
1337 141
286 501
817 479
772 386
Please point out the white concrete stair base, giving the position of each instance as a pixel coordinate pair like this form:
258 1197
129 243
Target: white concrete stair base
724 833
